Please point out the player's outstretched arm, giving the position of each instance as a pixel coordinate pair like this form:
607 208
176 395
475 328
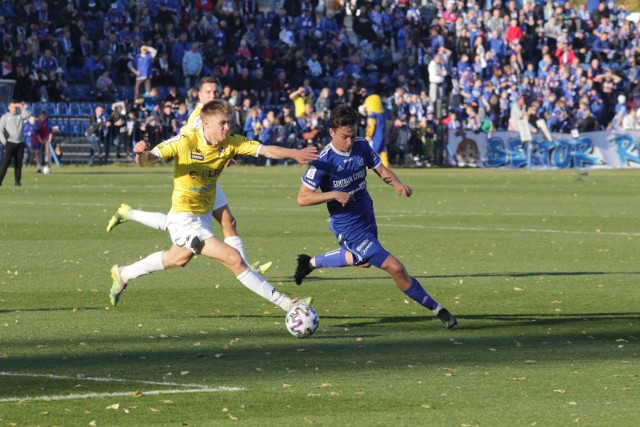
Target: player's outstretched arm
309 197
144 157
392 179
304 155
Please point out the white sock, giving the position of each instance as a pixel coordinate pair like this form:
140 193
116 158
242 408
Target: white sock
146 265
155 220
236 243
257 284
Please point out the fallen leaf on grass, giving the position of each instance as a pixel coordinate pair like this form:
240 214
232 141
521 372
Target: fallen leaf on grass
113 407
93 423
559 390
426 406
138 393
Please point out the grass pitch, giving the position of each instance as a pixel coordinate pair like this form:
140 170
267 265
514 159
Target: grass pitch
541 269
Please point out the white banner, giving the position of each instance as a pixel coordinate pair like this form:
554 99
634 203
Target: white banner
607 150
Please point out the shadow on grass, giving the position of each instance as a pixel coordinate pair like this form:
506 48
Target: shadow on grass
479 321
333 349
311 279
342 346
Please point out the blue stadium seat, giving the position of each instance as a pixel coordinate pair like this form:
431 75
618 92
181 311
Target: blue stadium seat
79 92
51 108
125 92
35 108
75 75
74 128
63 109
3 108
74 109
86 109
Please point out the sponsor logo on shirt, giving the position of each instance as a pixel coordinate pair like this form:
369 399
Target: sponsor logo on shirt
341 183
197 155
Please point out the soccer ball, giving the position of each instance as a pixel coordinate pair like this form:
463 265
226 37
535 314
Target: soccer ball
302 321
46 169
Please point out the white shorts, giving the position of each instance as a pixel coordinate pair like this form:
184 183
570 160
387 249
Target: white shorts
187 229
221 199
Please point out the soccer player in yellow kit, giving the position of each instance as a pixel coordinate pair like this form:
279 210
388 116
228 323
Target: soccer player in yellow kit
199 159
221 212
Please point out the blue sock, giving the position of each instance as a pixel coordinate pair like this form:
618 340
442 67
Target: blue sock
331 259
417 293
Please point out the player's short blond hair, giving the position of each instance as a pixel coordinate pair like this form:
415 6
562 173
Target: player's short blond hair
216 106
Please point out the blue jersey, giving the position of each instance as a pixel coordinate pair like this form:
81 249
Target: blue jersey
336 171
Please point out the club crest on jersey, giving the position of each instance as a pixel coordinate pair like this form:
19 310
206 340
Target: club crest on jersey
197 123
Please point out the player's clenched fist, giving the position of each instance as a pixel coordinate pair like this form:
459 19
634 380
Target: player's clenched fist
140 147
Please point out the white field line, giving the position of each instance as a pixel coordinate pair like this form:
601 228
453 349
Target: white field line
401 214
118 394
186 388
394 213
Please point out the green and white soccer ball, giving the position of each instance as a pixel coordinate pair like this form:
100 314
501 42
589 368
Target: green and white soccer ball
302 321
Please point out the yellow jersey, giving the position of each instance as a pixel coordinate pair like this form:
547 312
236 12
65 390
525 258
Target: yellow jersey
194 122
197 167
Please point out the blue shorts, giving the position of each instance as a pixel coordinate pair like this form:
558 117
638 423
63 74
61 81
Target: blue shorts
365 249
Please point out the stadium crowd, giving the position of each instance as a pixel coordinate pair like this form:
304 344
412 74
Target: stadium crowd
284 64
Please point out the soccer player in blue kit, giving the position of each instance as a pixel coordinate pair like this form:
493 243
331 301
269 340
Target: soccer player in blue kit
340 175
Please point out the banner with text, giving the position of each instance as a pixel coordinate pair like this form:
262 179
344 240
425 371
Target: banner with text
608 150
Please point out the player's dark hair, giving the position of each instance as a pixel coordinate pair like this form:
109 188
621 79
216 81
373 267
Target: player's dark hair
344 115
217 106
208 79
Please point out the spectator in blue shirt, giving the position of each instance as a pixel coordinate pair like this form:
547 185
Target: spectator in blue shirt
141 66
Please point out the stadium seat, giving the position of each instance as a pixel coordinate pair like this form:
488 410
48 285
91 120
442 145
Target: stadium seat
63 109
74 109
74 128
35 108
86 109
125 92
51 108
3 108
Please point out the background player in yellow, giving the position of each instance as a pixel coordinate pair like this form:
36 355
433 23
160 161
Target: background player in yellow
376 129
208 90
199 159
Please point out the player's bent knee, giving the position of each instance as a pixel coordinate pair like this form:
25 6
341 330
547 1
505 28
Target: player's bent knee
394 268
